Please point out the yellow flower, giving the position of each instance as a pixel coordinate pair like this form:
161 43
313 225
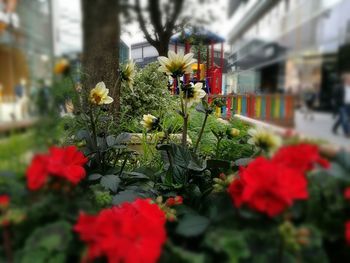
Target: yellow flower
176 64
99 94
149 121
234 132
61 66
193 94
264 139
128 73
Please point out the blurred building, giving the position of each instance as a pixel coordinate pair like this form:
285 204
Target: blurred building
287 45
26 45
144 53
124 52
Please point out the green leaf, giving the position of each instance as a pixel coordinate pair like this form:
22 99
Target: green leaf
124 196
111 140
197 166
232 243
214 163
179 255
123 138
243 161
47 243
192 225
200 108
93 177
136 175
110 182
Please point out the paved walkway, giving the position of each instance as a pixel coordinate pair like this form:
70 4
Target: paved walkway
320 127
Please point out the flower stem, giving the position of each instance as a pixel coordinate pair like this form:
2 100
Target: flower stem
183 113
184 131
201 132
94 136
218 147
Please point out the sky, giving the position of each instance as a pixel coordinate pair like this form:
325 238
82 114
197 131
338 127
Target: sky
69 32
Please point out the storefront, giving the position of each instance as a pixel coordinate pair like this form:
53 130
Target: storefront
25 45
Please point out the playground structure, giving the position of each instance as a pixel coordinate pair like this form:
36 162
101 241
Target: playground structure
208 73
271 108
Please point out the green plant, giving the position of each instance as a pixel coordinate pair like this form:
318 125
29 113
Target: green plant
149 95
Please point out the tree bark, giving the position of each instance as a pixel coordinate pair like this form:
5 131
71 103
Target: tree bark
101 34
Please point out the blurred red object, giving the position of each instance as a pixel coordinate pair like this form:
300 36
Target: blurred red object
131 232
65 162
268 187
4 200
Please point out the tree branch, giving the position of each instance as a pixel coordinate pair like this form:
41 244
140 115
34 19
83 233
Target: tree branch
142 23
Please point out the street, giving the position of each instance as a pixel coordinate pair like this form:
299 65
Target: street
320 127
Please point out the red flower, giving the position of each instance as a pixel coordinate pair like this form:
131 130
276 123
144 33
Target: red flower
171 201
64 162
347 232
37 172
4 200
302 157
347 193
236 190
268 187
67 163
131 233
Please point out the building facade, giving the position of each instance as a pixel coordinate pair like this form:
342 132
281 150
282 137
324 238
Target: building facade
144 53
287 45
26 44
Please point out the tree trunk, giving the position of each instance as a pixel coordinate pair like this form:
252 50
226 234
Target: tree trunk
162 48
101 33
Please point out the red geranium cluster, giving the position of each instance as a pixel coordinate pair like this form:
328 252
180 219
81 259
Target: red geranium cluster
130 233
4 200
268 187
65 162
302 157
347 232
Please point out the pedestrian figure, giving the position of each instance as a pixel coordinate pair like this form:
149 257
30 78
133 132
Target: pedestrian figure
341 100
309 98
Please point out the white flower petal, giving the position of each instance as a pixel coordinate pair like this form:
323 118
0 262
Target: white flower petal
108 100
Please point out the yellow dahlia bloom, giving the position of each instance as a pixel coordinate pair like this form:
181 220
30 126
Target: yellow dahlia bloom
128 73
61 66
193 94
176 64
99 94
234 132
264 139
149 121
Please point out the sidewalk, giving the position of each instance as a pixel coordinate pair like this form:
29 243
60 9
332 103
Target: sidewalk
320 127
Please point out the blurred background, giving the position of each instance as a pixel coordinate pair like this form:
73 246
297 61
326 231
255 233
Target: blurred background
283 62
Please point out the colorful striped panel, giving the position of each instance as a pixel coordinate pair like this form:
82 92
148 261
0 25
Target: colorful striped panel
223 112
282 107
247 105
263 107
268 107
258 107
277 106
228 107
244 105
239 104
218 112
252 107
